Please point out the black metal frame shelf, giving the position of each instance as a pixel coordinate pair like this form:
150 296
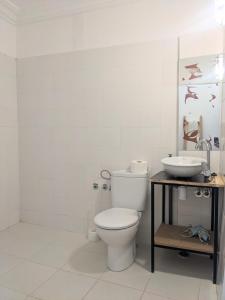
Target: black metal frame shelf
160 238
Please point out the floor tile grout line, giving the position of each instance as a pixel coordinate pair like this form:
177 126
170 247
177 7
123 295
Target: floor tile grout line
26 260
29 259
40 264
118 284
41 227
14 290
199 290
5 273
91 288
100 280
151 292
77 273
39 286
57 271
144 291
26 294
20 257
11 269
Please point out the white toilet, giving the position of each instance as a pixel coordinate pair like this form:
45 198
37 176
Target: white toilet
117 226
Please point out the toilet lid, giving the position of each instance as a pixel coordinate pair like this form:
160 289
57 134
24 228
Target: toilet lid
116 218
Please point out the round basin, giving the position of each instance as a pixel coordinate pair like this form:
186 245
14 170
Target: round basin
183 166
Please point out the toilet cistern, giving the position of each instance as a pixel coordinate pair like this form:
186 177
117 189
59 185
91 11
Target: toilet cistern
118 226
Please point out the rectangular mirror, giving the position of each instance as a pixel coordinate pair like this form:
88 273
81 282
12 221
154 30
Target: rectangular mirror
199 100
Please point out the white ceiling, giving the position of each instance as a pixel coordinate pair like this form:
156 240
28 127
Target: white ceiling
26 11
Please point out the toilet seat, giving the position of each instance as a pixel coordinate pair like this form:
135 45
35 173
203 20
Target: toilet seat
116 218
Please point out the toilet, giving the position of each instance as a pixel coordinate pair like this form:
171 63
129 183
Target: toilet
118 226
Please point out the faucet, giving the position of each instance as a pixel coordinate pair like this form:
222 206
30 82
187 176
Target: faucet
199 146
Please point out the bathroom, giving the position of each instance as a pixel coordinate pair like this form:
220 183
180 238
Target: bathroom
93 85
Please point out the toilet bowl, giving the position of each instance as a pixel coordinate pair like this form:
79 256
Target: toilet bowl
117 227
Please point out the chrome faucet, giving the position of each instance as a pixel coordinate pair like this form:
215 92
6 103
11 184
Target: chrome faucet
208 146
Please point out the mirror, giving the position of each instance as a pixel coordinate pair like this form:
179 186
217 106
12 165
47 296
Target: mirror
199 100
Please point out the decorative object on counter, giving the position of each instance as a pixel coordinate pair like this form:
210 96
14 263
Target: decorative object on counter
197 231
192 131
208 147
216 142
206 169
139 166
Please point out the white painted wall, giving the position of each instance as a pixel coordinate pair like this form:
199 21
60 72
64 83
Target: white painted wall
9 179
201 43
139 21
7 38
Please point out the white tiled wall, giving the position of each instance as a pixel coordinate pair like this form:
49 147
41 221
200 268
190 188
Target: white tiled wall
86 110
9 182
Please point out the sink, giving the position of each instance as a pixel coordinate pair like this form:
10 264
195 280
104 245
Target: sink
183 166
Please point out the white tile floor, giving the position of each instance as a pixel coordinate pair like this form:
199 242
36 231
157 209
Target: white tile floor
38 263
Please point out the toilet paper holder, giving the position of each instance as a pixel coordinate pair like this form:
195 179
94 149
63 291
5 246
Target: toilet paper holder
105 174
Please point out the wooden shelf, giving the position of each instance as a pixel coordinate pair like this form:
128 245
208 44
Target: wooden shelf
199 180
171 236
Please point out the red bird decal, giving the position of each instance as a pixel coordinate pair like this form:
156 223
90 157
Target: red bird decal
213 100
194 70
190 94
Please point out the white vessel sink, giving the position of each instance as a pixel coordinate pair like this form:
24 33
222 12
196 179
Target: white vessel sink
183 166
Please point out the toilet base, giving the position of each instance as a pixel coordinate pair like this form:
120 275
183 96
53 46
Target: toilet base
120 258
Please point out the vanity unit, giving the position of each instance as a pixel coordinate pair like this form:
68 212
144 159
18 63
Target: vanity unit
170 236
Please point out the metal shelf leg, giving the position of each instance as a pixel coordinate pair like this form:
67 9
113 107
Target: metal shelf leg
152 227
171 205
215 251
163 203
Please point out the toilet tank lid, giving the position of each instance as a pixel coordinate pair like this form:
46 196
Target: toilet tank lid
127 173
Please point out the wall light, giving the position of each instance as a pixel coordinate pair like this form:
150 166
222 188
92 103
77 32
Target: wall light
220 11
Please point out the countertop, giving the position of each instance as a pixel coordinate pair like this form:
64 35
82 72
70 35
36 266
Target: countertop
162 177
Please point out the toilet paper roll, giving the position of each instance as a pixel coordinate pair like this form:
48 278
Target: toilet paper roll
139 166
93 236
